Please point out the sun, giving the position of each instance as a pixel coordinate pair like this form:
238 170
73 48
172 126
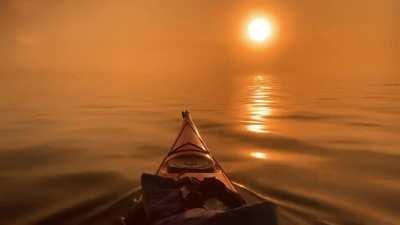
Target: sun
259 29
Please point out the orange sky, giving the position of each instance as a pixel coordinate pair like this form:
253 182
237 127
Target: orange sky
360 36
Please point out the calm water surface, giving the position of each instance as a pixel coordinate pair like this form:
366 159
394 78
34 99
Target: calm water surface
325 148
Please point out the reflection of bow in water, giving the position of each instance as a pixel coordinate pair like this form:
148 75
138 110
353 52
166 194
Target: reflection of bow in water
259 106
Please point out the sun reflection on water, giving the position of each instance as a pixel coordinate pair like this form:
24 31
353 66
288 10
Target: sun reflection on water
259 106
259 155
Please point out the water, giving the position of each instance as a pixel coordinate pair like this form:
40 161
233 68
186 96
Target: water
326 148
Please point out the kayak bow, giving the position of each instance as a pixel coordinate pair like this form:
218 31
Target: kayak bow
190 156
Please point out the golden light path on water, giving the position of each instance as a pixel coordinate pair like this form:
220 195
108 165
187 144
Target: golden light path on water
259 106
258 109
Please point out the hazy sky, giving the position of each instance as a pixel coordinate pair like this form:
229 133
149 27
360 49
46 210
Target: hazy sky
177 36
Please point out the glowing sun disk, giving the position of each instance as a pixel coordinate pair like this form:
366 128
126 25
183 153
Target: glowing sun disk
259 29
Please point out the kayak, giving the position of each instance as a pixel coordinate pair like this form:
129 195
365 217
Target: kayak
189 156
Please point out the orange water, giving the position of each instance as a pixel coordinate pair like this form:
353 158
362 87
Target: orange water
328 148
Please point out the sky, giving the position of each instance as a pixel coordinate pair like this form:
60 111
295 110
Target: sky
181 36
